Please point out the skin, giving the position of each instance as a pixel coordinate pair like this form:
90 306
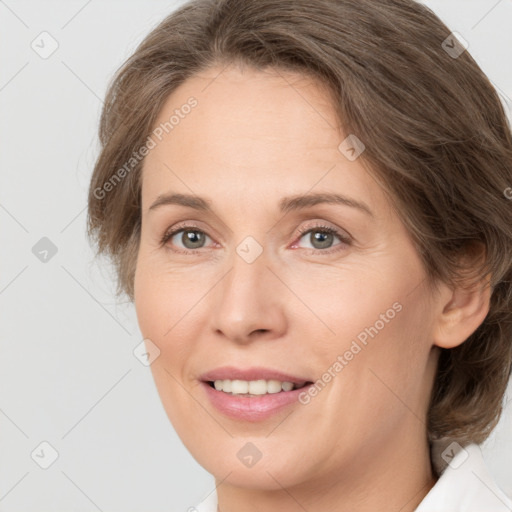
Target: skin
361 443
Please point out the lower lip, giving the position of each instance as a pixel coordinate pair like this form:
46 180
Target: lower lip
252 408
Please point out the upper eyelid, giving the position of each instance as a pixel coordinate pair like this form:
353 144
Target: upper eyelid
184 225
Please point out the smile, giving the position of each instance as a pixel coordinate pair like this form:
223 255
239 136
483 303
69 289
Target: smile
252 394
254 387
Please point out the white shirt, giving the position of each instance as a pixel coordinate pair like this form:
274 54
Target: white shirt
465 484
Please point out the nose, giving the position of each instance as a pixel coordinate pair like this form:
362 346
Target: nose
249 302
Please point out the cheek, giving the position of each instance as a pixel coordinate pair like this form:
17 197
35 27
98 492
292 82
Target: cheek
161 308
162 298
163 312
376 329
170 311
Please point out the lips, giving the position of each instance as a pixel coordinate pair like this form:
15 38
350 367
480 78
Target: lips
252 407
253 373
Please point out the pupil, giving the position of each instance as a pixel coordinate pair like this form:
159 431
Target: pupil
189 236
323 238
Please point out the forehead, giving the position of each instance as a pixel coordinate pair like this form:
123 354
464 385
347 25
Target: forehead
253 104
251 130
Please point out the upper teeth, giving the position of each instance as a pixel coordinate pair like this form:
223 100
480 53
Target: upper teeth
253 387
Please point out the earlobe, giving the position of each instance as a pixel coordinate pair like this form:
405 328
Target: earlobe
460 315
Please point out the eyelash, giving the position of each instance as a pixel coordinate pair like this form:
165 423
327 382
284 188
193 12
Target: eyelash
302 231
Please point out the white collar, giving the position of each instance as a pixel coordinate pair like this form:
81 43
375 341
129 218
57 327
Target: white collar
464 485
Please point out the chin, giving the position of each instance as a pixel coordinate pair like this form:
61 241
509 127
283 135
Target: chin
249 462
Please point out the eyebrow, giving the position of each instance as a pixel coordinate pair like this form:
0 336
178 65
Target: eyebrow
286 204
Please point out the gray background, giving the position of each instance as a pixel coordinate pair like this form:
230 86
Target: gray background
67 369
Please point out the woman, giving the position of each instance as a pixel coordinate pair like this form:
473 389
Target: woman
306 202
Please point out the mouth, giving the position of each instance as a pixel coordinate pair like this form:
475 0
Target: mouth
252 394
259 387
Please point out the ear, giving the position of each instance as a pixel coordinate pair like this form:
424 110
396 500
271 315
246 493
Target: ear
461 310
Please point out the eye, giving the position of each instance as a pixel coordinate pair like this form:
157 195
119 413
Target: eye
321 237
191 237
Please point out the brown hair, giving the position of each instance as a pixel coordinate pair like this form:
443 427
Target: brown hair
436 136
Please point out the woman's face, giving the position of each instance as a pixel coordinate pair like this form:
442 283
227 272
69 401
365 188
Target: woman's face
255 284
